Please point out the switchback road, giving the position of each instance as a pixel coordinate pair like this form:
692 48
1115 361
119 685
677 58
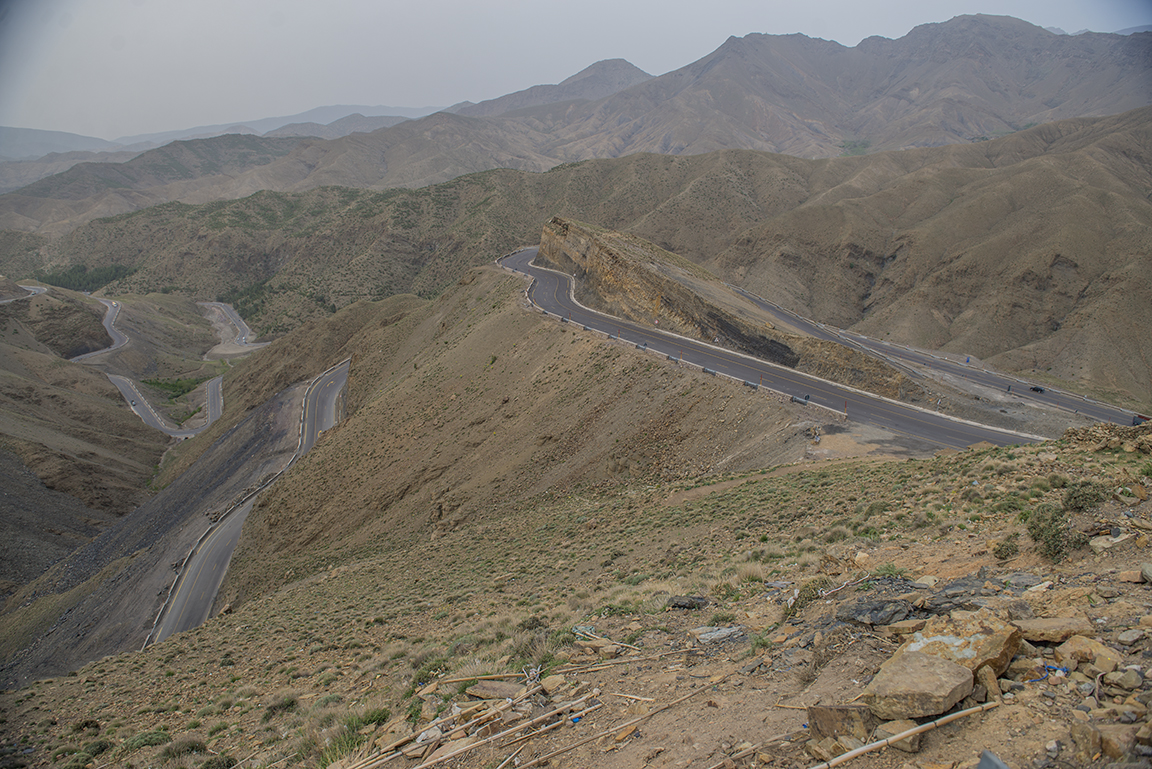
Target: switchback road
118 339
190 602
152 418
243 333
901 355
132 396
32 291
552 292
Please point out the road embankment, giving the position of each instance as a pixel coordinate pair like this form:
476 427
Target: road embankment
102 598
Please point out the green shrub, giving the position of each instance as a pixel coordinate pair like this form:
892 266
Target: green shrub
889 570
1008 548
1050 529
1084 496
183 747
77 761
219 762
373 716
285 703
96 747
144 739
809 592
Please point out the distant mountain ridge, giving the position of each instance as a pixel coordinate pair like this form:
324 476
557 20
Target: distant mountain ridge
597 81
322 115
355 123
31 143
966 80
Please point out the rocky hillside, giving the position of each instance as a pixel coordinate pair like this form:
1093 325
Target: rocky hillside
598 81
628 277
85 191
437 390
955 248
962 81
777 618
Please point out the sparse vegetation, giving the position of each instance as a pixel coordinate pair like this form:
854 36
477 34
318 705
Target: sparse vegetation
1007 548
79 277
1050 529
1084 496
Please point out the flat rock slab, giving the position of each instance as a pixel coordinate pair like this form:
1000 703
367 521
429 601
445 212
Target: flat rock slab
892 728
972 639
711 635
1081 649
1053 629
841 720
874 612
916 685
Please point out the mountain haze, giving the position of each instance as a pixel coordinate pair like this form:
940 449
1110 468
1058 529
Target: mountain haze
602 79
29 143
951 247
959 82
354 123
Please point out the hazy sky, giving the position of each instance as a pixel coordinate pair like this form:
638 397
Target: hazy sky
111 68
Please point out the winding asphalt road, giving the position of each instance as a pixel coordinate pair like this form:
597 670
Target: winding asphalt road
190 601
33 291
118 339
243 333
132 395
552 292
902 355
153 418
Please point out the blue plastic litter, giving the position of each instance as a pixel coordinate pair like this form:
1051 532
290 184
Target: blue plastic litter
1047 670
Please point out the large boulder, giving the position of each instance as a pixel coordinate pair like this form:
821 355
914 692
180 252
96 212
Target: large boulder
973 639
916 685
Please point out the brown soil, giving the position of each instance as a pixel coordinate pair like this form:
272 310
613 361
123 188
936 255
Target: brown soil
282 676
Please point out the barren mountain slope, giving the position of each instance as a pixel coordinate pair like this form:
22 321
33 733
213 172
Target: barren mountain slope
15 174
938 246
960 81
969 78
1027 248
65 421
601 79
481 405
85 191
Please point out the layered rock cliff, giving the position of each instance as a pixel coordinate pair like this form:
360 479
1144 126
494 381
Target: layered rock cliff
626 276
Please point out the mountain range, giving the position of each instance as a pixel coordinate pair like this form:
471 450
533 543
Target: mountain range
961 81
1029 250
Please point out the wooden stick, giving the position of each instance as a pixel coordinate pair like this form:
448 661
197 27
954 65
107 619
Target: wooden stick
503 734
508 760
595 637
380 758
632 697
625 725
493 677
550 727
902 735
753 749
601 665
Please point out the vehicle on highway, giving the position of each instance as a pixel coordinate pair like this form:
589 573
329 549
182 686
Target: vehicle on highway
1037 389
133 403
